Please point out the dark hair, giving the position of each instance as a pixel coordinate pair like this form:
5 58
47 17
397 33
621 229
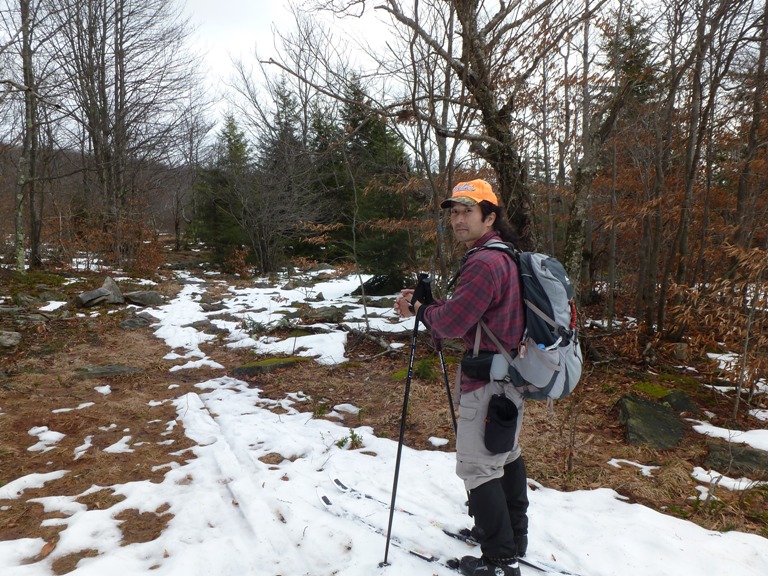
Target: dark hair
501 224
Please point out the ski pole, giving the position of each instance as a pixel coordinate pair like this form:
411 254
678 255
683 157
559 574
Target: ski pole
447 389
400 441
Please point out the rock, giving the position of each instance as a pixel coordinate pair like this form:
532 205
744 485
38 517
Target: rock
207 326
736 460
134 323
264 366
380 285
212 307
145 298
106 370
380 303
51 296
326 314
92 298
11 310
109 293
9 339
649 423
190 281
682 352
680 402
115 296
25 300
296 283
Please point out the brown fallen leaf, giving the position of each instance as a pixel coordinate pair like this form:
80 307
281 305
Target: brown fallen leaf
47 549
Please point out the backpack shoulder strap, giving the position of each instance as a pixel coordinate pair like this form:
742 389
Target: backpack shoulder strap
492 336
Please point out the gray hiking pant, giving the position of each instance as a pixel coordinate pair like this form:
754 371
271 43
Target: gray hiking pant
475 465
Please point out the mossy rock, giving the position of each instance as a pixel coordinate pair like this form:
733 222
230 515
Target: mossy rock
649 423
399 375
266 365
652 389
299 333
680 402
683 381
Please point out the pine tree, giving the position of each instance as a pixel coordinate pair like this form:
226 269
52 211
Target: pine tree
373 202
215 220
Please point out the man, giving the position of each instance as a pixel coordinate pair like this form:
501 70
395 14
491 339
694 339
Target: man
488 290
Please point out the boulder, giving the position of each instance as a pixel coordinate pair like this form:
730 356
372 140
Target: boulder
649 423
109 293
115 295
92 298
145 298
680 402
736 460
381 285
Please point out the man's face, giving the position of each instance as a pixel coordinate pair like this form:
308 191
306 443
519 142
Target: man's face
468 224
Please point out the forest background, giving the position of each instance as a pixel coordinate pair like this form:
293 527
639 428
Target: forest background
627 138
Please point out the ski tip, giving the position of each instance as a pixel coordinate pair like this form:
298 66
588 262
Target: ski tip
327 502
340 485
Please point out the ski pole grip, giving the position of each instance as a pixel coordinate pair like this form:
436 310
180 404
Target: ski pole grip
422 293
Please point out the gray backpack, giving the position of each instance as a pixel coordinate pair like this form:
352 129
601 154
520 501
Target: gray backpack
548 362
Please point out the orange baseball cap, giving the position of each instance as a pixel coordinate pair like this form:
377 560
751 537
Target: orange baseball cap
471 193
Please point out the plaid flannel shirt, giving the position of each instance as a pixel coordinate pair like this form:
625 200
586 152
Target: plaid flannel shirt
488 290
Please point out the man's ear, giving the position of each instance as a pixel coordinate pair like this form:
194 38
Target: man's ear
490 219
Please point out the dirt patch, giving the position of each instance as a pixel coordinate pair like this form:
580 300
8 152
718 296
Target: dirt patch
142 526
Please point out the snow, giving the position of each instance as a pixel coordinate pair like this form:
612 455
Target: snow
52 305
644 470
236 512
754 438
47 438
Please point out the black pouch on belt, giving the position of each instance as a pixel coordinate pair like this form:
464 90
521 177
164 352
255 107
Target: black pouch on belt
477 367
500 424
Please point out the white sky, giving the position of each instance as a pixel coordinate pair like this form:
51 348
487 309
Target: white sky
235 515
234 28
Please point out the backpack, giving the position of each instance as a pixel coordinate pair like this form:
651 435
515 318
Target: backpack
548 362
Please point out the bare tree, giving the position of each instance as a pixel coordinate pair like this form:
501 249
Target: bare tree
128 72
490 59
721 30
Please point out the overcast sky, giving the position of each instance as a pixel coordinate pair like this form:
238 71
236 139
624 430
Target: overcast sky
234 28
227 30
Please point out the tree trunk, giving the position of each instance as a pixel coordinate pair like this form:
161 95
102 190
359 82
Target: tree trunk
744 194
27 161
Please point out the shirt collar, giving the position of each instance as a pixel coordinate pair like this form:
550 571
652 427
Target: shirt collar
487 236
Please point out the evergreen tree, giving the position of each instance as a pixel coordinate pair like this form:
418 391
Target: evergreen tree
216 221
284 191
372 200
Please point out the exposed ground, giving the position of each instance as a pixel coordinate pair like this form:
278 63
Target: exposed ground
568 449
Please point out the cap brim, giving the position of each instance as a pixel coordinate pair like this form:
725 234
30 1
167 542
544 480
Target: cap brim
465 200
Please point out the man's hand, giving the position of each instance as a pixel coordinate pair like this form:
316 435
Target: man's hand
410 300
403 302
423 291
